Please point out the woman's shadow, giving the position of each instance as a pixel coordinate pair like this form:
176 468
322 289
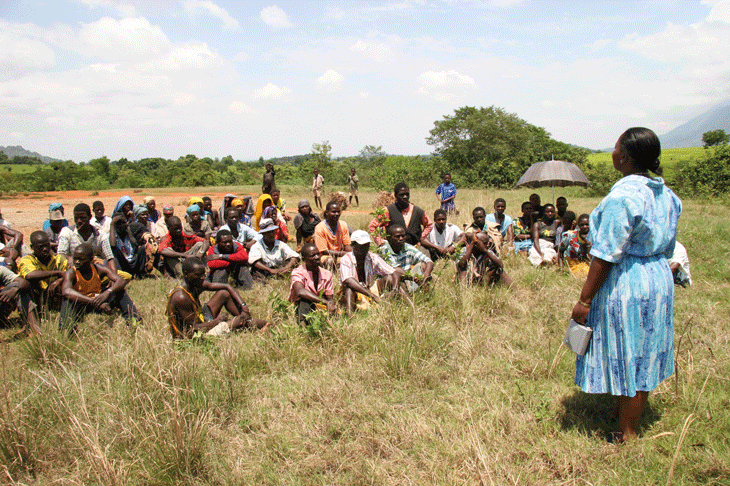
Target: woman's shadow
593 414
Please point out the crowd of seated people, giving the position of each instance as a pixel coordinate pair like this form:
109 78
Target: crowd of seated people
84 267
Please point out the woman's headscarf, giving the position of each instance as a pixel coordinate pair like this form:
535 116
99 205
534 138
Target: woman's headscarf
192 208
139 209
260 209
196 200
147 200
122 201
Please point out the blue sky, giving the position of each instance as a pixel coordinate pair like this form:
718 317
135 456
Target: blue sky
132 79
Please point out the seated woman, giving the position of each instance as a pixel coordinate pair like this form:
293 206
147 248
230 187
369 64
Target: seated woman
242 216
304 223
543 238
574 248
197 225
522 229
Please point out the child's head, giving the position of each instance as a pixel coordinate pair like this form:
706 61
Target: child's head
447 178
561 204
500 205
439 219
83 256
275 195
526 209
583 224
479 216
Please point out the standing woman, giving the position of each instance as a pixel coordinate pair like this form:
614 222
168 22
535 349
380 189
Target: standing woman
628 297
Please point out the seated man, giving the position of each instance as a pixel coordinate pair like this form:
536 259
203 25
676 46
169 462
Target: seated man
270 257
44 270
443 238
480 223
332 236
128 247
574 249
214 219
480 264
178 246
242 233
415 267
161 230
56 222
364 275
83 291
679 264
84 232
186 316
312 286
55 207
228 258
15 294
100 222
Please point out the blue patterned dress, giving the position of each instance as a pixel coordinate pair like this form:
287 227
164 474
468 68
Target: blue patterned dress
632 315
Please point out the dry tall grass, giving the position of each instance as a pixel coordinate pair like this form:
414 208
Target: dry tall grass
471 387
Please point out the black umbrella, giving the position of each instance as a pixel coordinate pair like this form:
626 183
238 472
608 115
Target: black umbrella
553 173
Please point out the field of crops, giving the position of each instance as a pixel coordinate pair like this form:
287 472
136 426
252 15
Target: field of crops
669 156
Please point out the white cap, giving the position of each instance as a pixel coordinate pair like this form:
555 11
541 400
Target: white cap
267 224
360 237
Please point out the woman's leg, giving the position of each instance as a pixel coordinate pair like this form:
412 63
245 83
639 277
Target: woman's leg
629 413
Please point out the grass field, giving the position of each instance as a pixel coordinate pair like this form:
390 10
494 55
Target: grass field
17 168
471 386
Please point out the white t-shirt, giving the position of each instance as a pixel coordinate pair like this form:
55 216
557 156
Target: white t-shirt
273 258
447 238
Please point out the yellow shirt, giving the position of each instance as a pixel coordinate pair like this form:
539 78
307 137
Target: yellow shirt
29 263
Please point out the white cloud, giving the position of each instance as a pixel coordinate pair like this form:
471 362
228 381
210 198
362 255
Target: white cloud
20 55
194 7
124 8
67 121
376 51
125 40
364 95
445 79
271 91
17 135
275 17
330 81
239 108
241 56
188 56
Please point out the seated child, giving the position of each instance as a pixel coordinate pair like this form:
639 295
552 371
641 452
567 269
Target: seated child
83 291
443 238
480 264
575 249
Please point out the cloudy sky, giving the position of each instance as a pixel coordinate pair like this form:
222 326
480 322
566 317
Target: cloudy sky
135 79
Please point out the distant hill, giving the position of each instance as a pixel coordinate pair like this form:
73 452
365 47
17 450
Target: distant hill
690 134
13 150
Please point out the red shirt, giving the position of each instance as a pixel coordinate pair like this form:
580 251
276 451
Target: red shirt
239 255
187 242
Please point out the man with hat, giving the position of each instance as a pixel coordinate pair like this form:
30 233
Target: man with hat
364 275
56 222
271 257
54 207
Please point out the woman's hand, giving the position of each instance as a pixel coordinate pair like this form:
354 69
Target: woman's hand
580 313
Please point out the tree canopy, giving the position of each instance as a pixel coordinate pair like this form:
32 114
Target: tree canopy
490 147
715 137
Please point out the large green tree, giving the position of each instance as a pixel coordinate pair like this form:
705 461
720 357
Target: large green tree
715 137
488 146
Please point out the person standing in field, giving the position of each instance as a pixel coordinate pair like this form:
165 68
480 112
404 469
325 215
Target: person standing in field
317 188
446 193
352 180
628 296
269 180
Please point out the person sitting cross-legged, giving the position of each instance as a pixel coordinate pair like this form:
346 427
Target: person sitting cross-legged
228 258
44 270
480 263
178 246
15 294
186 316
364 276
575 248
312 286
415 267
270 257
84 292
443 237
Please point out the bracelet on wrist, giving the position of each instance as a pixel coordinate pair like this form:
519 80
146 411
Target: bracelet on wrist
587 306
